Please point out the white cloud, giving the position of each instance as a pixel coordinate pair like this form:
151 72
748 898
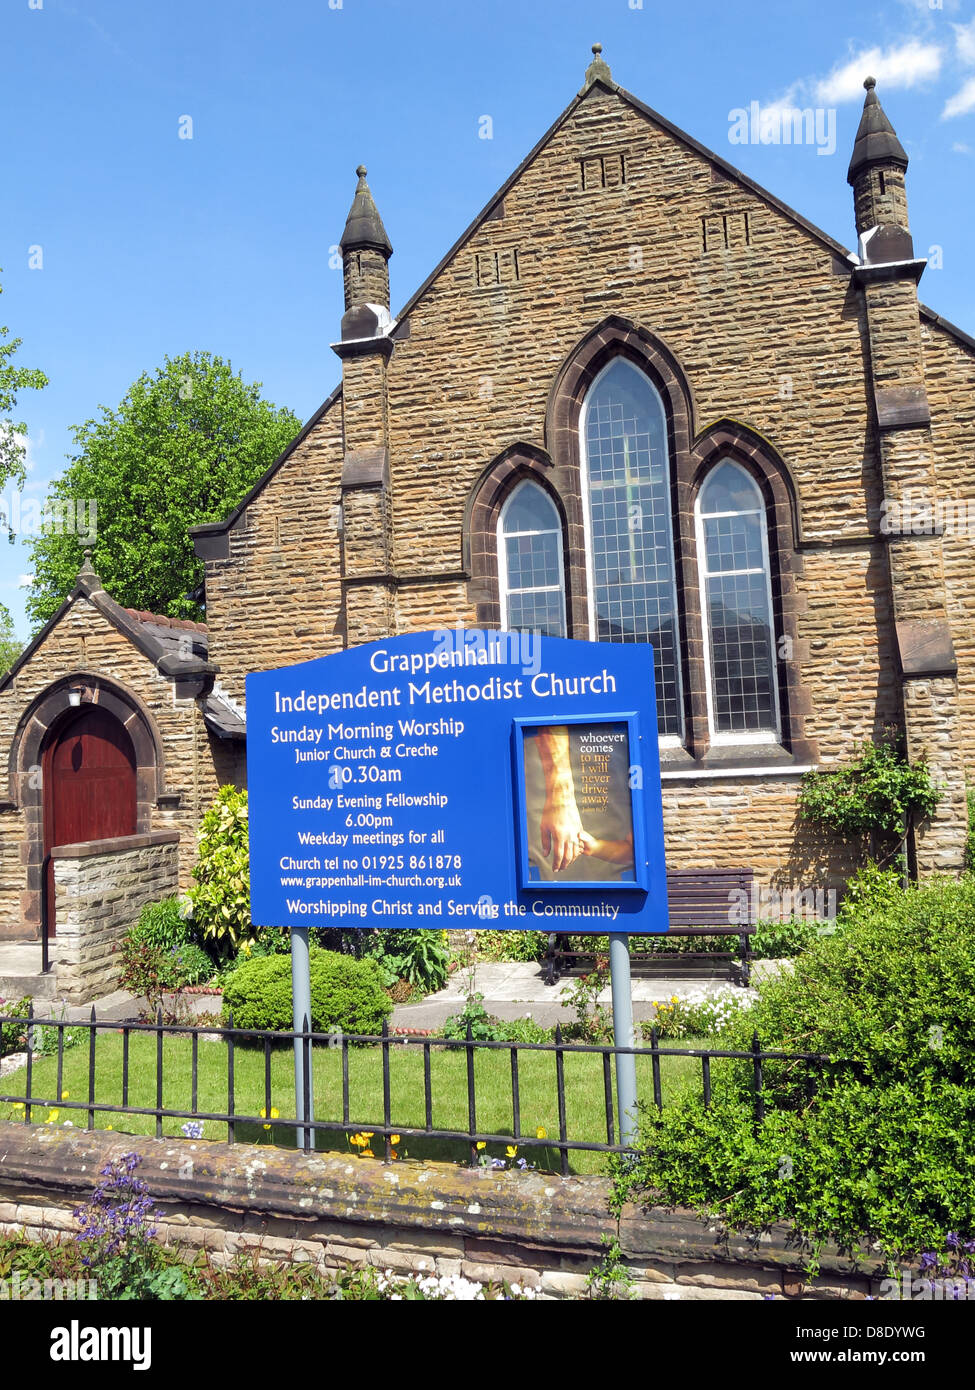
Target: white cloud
961 103
24 581
959 148
965 42
906 65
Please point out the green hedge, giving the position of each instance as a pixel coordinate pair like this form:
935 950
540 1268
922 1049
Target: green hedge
346 994
877 1144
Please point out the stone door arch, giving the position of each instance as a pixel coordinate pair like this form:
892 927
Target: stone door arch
89 787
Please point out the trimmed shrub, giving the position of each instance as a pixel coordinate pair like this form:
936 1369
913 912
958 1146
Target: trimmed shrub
877 1144
346 994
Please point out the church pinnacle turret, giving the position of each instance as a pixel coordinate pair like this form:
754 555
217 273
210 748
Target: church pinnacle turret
366 250
877 176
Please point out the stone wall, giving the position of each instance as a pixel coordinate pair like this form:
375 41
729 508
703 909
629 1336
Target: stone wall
335 1212
763 317
99 890
190 767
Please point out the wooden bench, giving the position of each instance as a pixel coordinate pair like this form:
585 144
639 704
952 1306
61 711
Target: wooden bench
700 903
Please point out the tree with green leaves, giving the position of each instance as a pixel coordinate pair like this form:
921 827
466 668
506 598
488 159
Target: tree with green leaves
10 644
184 446
13 380
13 434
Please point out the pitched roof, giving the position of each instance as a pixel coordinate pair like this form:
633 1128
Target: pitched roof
595 78
155 636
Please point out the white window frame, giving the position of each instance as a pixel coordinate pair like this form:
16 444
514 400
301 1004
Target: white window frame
757 736
664 740
503 536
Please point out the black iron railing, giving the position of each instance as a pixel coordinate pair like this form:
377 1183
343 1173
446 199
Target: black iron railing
474 1136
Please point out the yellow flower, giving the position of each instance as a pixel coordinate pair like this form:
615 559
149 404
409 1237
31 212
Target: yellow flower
368 1153
674 999
511 1151
394 1138
64 1095
540 1133
357 1139
52 1117
367 1134
480 1144
109 1126
18 1105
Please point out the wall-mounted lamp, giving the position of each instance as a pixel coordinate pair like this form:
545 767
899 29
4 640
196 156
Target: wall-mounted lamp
74 696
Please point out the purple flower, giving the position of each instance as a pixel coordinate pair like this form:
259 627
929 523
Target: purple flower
193 1129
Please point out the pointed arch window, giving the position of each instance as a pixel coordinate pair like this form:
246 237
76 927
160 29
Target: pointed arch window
629 527
736 593
531 573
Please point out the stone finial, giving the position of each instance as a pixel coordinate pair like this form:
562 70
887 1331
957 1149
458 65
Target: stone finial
364 227
876 141
598 70
87 569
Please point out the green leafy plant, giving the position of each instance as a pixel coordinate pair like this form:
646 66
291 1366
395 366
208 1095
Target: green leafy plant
782 940
117 1238
512 945
877 797
678 1018
420 957
875 1145
346 994
152 973
594 1022
970 839
162 924
871 888
220 897
13 1036
610 1277
486 1027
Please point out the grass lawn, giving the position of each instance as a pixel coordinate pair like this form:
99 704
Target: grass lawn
585 1104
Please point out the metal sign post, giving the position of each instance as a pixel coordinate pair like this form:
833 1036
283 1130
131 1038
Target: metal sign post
301 1015
619 969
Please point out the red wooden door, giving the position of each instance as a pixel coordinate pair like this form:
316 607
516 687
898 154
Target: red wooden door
89 787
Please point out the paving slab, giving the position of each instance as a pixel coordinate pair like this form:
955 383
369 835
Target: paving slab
518 990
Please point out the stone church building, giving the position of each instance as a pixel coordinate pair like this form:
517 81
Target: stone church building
640 399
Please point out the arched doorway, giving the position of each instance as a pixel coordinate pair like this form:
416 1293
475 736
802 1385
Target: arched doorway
89 786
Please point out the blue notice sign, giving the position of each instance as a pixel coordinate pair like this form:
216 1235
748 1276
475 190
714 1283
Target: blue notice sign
458 778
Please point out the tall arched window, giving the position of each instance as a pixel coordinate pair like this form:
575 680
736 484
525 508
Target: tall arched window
531 575
626 475
736 594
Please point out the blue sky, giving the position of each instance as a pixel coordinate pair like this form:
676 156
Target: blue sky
154 245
